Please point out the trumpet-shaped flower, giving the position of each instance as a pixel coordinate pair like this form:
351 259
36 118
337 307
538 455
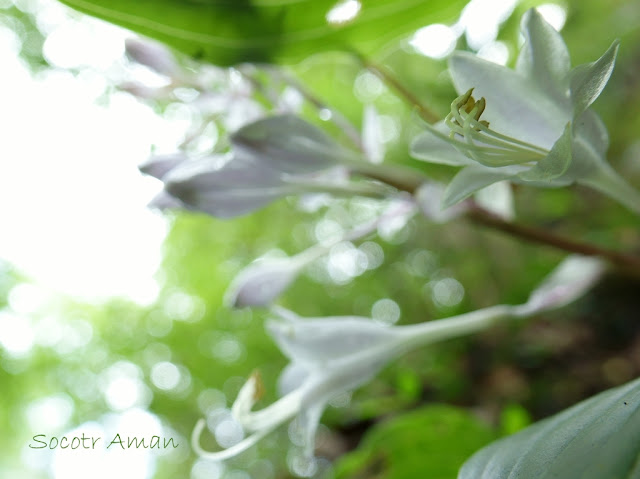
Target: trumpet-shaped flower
265 279
532 125
270 158
330 356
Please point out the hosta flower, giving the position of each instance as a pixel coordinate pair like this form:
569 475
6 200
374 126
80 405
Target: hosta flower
265 279
530 125
223 186
331 356
270 158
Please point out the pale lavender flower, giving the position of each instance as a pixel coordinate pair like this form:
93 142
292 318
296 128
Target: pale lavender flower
531 126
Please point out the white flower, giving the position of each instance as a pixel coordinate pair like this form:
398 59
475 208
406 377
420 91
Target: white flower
330 356
224 186
531 125
289 144
271 158
265 279
566 283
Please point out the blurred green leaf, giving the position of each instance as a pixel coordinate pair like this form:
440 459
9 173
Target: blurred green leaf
430 443
228 32
597 438
513 418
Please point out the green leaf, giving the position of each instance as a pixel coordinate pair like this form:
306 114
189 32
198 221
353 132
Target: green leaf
429 443
514 418
227 32
595 439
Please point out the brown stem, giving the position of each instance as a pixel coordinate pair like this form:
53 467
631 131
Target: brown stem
404 182
381 72
626 262
401 178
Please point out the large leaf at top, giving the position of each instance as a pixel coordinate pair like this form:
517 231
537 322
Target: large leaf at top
596 439
227 32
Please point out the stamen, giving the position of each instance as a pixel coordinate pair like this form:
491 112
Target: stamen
495 149
461 100
480 106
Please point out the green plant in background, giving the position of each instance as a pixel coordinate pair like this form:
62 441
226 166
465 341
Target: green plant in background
276 135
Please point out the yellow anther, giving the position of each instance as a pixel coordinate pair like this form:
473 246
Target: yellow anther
471 103
259 386
482 103
461 100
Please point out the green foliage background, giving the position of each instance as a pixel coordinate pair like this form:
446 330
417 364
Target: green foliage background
396 427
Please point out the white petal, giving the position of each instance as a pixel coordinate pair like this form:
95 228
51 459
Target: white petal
326 340
516 107
429 147
222 171
566 283
326 384
588 81
164 201
498 199
471 179
159 165
288 144
225 188
592 130
587 160
429 199
230 203
292 377
271 416
554 165
544 56
261 282
307 422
